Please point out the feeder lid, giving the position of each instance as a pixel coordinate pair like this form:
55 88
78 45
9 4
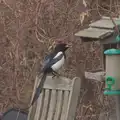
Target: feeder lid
112 52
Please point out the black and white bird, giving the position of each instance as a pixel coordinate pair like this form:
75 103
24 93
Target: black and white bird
52 63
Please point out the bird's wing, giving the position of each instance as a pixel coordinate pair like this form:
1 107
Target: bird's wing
56 58
47 60
53 60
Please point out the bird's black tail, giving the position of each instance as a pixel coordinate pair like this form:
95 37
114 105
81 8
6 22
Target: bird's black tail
39 88
38 91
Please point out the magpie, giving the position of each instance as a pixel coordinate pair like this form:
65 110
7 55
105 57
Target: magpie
52 63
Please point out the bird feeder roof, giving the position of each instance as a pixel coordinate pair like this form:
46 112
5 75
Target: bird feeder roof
95 33
105 22
102 30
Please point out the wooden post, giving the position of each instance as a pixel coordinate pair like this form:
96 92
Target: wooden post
117 99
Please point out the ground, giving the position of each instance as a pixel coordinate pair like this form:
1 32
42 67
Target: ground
28 30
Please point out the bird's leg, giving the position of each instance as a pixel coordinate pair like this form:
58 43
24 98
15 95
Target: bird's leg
53 74
56 74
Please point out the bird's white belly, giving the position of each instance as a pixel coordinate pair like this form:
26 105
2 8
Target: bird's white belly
58 65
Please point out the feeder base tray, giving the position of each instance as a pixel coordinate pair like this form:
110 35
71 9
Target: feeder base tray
112 92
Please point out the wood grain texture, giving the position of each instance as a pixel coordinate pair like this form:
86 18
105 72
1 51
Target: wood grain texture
65 105
58 105
105 23
33 108
94 33
56 102
45 106
98 76
38 107
58 83
72 103
52 105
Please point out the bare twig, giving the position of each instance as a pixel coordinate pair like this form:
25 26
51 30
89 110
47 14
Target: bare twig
116 27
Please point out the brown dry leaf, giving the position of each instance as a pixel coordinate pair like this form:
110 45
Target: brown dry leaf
84 3
82 16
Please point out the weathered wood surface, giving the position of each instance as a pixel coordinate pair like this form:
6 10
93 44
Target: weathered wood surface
32 109
58 100
94 33
105 22
102 30
98 76
58 83
72 103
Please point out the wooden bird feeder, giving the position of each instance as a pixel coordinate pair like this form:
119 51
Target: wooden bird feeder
106 32
102 31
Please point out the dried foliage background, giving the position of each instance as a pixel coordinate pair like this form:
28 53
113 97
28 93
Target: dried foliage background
29 29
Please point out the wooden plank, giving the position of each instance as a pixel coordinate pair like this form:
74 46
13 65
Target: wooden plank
32 112
108 18
72 103
33 108
38 107
109 40
45 106
104 23
57 87
52 105
60 83
102 57
98 76
58 106
95 33
65 105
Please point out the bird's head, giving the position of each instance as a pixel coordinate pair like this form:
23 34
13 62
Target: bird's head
62 46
